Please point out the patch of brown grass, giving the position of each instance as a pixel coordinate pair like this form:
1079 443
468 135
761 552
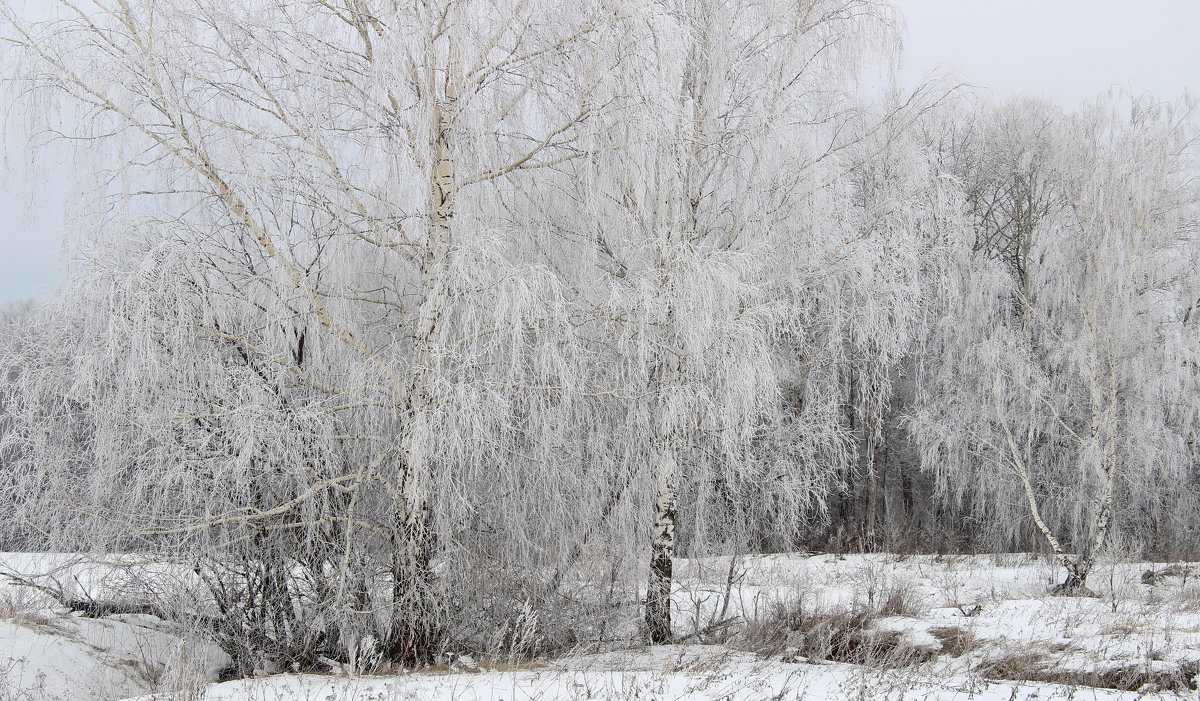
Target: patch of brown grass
796 631
1014 665
1037 666
1155 575
1119 628
955 641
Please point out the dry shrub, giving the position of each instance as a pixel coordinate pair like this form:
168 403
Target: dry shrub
11 604
796 630
1181 677
17 607
849 637
1154 576
507 628
899 599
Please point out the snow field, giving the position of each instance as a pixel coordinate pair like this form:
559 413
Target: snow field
893 627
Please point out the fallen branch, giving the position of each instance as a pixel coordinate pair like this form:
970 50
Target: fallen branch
89 607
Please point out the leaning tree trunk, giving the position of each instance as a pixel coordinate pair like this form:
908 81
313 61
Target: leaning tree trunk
1077 567
1102 429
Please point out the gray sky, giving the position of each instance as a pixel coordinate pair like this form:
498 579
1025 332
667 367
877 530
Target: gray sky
1068 50
33 204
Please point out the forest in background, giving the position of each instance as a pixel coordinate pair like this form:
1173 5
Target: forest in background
405 326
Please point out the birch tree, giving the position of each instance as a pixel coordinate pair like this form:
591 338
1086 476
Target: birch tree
1083 362
709 232
307 273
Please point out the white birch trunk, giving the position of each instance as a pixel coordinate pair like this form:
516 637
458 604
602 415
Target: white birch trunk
662 549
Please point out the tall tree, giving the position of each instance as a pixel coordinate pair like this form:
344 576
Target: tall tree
1080 350
713 229
309 271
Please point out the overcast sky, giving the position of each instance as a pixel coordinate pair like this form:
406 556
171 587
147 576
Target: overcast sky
1067 50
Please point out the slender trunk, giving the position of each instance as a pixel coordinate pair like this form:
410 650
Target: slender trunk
658 593
906 495
881 517
416 609
1077 568
872 505
848 526
874 482
872 453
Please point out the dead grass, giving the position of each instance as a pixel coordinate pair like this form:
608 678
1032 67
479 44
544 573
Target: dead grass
482 667
1187 600
1038 666
899 599
16 602
1121 628
955 641
36 620
797 630
1014 665
150 673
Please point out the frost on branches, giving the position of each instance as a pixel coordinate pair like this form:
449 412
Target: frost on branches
406 328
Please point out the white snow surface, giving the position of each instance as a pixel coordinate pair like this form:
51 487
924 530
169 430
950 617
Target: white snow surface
668 673
977 627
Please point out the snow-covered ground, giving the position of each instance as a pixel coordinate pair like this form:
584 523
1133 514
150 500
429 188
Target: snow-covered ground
917 627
